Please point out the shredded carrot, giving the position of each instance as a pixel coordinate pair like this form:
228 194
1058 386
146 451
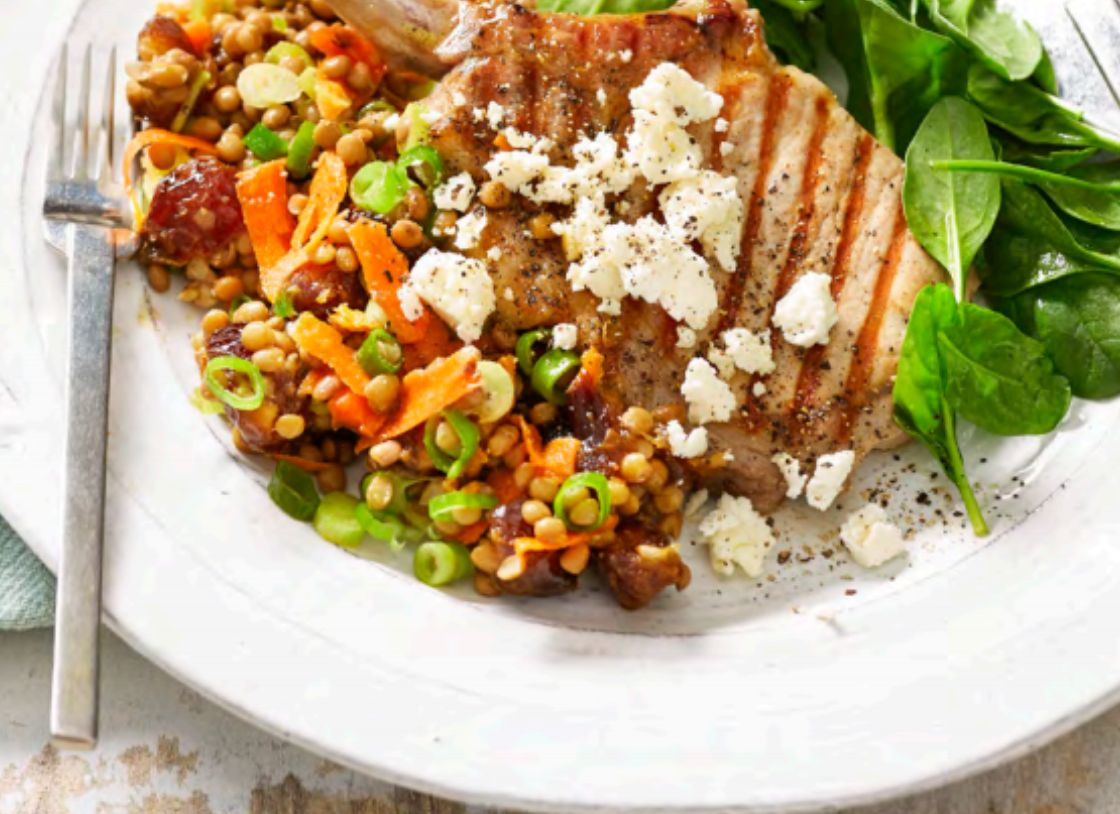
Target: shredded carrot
327 192
531 436
263 193
341 40
525 544
146 138
305 464
591 366
560 456
331 97
199 33
437 341
350 410
383 269
424 393
502 143
472 533
504 485
324 342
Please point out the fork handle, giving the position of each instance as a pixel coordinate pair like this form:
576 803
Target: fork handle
78 604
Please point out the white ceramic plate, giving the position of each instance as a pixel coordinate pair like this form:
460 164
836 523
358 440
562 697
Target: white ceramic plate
826 686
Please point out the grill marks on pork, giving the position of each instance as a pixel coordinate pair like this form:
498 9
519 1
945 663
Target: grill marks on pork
820 195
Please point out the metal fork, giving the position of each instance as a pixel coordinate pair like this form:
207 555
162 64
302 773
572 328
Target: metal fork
83 199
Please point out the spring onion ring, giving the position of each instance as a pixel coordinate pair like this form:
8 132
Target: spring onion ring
424 155
379 186
524 348
439 564
552 374
234 364
442 507
584 480
468 443
371 357
385 526
336 520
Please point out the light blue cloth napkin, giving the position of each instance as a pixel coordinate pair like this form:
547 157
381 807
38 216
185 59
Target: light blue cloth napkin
26 586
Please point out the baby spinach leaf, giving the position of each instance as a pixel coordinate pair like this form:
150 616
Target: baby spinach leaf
1098 204
1078 320
920 404
1005 43
951 213
786 35
1031 245
588 8
1044 75
1032 114
999 378
896 69
1055 159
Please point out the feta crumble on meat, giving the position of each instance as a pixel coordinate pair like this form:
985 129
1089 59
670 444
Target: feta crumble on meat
626 56
870 537
495 115
458 289
706 207
790 468
722 125
743 350
661 149
456 193
458 99
686 337
758 390
565 336
684 444
469 228
601 96
736 535
807 314
829 478
670 92
708 397
726 148
494 254
583 231
516 169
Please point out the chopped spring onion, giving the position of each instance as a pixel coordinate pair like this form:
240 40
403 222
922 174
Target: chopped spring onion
379 186
200 81
439 564
380 353
234 364
264 84
442 507
552 374
293 490
300 150
386 527
498 392
265 144
418 126
283 306
237 302
307 81
429 165
524 348
403 505
468 443
284 50
584 480
336 520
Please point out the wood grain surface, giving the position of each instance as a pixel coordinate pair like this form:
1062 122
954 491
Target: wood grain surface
165 750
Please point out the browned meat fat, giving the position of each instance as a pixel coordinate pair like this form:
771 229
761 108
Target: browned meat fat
821 196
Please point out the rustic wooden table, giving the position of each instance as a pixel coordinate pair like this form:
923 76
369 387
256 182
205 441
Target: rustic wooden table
165 750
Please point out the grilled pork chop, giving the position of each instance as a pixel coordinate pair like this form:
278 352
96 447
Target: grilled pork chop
820 194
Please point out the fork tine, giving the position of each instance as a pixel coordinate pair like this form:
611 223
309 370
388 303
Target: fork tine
57 159
104 171
81 160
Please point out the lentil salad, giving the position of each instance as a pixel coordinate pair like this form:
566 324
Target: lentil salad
284 173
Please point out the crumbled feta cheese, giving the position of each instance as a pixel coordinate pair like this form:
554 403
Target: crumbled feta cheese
829 478
458 99
626 55
670 92
516 169
455 193
686 337
478 115
469 228
495 115
457 288
708 397
494 254
695 502
601 96
508 294
686 444
736 535
661 149
520 140
744 350
726 148
790 468
722 125
870 537
583 231
706 207
758 390
565 336
411 305
807 313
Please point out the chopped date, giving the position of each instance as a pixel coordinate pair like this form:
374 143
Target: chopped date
194 212
160 35
321 290
641 564
543 575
